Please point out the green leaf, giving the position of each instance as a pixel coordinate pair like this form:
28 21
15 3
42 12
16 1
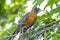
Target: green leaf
37 2
55 10
51 2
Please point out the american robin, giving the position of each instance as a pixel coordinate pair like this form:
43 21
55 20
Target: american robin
28 20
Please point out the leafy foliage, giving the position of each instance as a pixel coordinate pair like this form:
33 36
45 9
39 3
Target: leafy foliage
17 8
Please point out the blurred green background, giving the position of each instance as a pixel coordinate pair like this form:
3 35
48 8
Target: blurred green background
12 11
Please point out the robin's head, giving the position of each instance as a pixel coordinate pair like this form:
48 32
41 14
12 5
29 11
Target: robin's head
37 10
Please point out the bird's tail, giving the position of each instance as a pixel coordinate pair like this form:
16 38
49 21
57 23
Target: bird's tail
15 32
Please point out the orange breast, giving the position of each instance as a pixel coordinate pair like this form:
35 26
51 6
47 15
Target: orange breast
31 19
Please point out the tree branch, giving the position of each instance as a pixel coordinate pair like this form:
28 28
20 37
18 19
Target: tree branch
44 30
48 25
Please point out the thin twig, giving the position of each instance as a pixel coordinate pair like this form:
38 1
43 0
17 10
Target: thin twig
44 30
47 25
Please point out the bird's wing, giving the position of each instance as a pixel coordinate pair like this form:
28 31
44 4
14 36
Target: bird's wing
24 18
20 25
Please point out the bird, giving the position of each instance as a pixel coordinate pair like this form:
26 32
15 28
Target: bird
28 20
